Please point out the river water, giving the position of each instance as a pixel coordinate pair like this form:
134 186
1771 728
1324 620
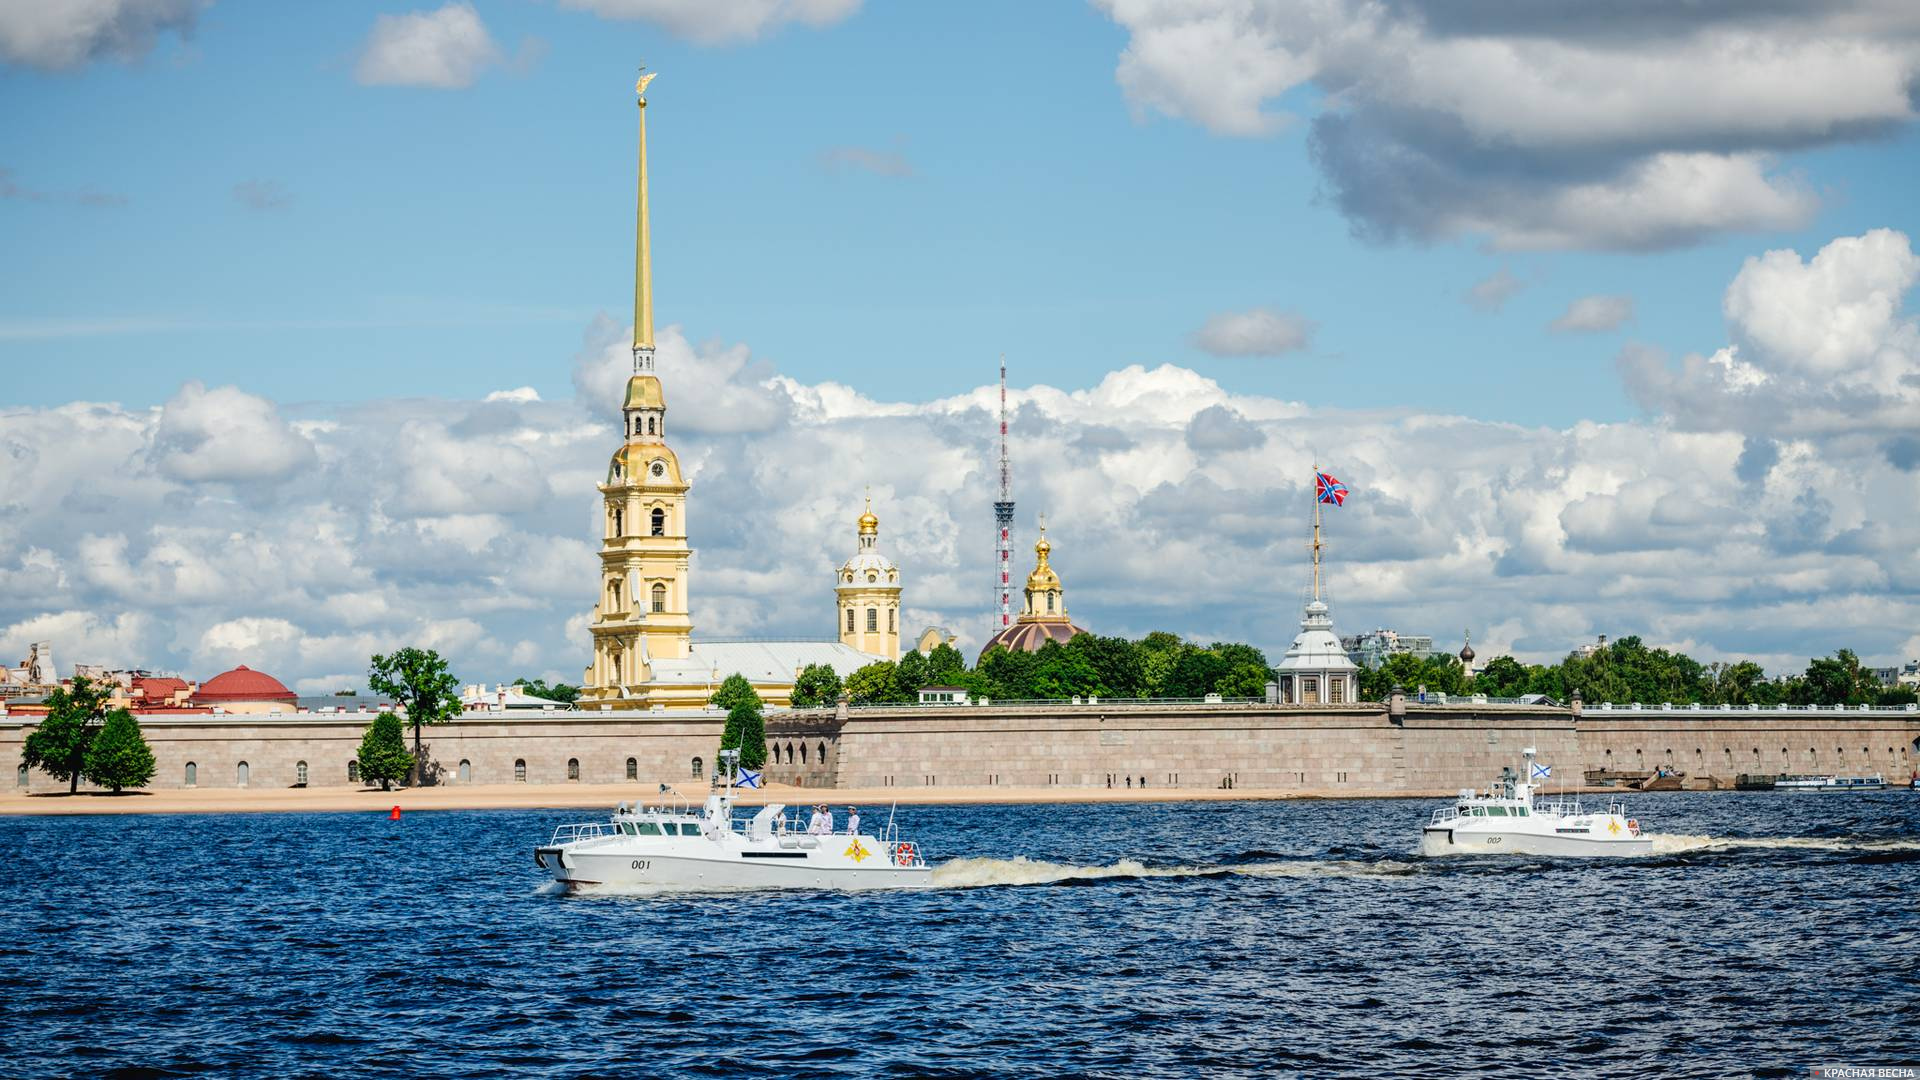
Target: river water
1768 933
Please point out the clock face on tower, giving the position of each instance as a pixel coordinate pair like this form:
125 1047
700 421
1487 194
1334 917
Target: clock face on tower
658 469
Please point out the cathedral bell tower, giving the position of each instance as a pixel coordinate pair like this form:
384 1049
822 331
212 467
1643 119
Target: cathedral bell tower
868 595
642 614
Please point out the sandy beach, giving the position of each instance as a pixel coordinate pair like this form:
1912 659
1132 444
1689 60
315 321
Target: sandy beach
602 797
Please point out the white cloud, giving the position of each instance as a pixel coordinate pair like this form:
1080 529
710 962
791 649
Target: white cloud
1256 332
1593 315
60 34
447 49
714 23
1535 125
1742 518
226 434
1827 316
1492 292
1820 348
520 395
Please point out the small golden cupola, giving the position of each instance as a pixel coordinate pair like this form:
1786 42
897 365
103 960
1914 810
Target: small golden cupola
1045 598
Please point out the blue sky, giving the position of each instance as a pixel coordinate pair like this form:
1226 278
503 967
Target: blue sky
438 242
1602 310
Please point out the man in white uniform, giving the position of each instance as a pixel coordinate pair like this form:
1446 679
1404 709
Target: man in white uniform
853 821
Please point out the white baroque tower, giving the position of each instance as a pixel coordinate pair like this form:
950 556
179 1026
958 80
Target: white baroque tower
642 614
868 595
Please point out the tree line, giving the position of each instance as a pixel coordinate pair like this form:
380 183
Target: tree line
1160 665
1627 670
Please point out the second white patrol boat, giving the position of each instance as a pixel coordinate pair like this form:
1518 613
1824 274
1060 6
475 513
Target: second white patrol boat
677 847
1508 820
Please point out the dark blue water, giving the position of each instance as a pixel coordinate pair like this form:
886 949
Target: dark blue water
1253 939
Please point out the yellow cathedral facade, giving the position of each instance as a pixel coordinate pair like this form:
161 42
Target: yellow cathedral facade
644 652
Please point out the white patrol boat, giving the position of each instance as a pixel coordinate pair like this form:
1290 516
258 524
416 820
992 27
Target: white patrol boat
675 846
1508 820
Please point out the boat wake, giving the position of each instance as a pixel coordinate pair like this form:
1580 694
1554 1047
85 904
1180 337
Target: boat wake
967 873
1683 843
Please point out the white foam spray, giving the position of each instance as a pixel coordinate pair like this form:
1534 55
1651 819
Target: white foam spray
1680 843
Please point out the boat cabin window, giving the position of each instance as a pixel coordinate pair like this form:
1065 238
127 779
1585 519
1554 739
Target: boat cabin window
647 828
1520 811
688 828
629 828
1479 811
1497 811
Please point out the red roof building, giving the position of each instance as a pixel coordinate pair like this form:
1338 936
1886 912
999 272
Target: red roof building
245 690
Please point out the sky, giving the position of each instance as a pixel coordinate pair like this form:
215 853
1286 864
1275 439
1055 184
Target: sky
311 318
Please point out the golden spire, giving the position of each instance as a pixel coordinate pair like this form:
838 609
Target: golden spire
869 525
642 253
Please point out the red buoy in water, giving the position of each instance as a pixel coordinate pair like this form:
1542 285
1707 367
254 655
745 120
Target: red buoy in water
395 815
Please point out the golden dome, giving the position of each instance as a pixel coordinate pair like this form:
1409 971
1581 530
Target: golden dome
643 392
869 525
1043 578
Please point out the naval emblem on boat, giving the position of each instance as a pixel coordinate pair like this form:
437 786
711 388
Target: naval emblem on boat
856 852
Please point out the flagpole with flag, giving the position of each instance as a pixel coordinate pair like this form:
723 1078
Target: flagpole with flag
1325 490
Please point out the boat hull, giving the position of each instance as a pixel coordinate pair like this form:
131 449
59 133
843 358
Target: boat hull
620 866
1438 841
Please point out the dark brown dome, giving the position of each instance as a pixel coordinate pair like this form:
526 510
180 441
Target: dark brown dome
1029 636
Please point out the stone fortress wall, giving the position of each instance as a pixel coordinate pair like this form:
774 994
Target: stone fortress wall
1360 749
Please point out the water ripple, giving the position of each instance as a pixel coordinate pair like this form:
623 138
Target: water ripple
1764 934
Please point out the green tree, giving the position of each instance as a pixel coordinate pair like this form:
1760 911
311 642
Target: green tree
383 752
875 684
746 727
945 664
817 687
1195 673
1896 695
1244 680
1115 660
119 757
1159 652
1060 672
58 745
910 673
1012 675
1741 683
1502 677
1836 680
560 692
419 680
734 690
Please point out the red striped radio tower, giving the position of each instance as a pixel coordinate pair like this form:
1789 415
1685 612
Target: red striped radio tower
1003 512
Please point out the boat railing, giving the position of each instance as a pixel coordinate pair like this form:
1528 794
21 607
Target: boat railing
584 830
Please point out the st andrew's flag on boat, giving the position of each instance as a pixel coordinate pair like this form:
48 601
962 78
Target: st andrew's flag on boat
1542 772
1328 490
748 778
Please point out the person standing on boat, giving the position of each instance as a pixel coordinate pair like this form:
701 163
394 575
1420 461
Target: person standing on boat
853 821
813 823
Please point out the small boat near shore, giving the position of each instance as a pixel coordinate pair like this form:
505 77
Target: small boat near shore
676 846
1830 784
1509 820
